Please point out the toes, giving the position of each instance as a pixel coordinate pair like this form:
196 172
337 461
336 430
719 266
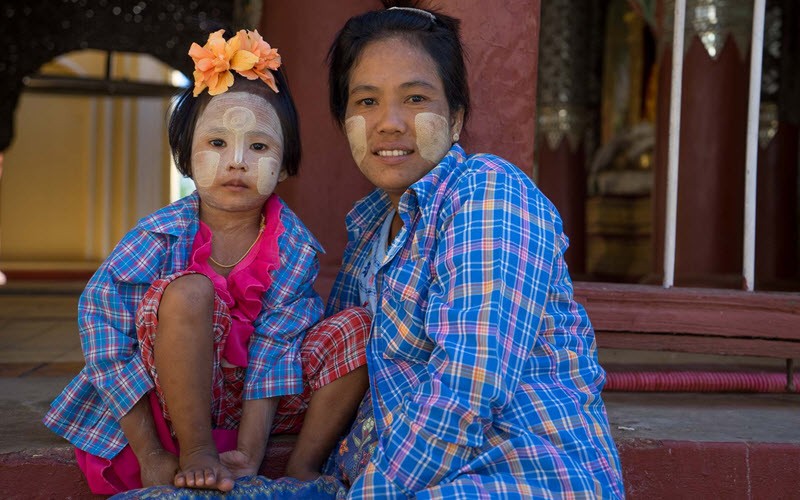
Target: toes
226 484
207 478
180 480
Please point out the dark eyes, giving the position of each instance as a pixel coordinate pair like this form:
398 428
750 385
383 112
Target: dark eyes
256 146
369 101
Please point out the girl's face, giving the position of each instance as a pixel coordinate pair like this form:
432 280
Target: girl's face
237 151
398 122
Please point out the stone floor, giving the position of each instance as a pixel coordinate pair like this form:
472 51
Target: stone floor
673 445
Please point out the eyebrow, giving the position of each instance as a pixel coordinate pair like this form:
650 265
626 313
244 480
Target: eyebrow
406 85
214 130
266 130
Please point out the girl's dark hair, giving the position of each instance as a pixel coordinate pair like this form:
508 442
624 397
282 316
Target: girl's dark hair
187 109
439 37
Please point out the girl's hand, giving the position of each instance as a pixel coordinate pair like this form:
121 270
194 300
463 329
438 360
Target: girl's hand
239 463
158 468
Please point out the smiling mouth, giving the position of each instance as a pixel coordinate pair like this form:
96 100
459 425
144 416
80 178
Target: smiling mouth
393 152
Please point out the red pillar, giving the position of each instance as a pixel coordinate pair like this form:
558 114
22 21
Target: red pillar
776 212
562 177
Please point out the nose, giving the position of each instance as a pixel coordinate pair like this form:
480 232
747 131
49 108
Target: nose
237 161
392 119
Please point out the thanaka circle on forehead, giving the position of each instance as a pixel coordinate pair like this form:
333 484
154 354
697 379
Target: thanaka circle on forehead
433 136
356 129
239 120
228 109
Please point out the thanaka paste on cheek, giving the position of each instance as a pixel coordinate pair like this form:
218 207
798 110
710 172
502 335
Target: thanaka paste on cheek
238 120
356 129
433 136
268 171
204 167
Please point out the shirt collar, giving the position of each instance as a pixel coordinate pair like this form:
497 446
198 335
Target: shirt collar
418 195
364 212
175 218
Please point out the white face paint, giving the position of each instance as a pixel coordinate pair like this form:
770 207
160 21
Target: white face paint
356 128
206 164
237 150
269 173
433 136
239 120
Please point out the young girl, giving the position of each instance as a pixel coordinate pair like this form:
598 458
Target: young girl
484 380
198 330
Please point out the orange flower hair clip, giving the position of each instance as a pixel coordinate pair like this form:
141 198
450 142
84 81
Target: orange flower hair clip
246 53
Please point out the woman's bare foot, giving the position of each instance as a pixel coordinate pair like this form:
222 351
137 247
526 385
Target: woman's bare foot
202 469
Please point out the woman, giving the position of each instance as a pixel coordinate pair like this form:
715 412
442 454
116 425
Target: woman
484 379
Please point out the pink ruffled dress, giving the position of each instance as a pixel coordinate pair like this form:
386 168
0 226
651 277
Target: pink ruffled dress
244 287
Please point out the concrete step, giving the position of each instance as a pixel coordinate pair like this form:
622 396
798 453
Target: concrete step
672 445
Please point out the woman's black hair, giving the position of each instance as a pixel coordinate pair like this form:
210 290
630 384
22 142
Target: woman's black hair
436 33
188 108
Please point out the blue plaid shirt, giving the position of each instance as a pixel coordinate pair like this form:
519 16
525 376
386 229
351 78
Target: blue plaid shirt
483 369
87 412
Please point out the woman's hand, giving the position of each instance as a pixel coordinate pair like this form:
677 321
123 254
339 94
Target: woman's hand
240 463
158 468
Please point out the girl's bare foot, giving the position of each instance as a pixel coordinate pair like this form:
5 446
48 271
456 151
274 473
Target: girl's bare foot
202 469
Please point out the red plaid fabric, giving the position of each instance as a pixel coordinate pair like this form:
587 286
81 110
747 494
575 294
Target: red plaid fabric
226 383
332 348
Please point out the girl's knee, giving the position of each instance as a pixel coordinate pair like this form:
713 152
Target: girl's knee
190 293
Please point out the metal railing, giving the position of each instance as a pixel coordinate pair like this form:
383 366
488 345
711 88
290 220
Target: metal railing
751 163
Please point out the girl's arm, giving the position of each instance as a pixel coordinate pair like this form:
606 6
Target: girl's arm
257 416
106 318
291 307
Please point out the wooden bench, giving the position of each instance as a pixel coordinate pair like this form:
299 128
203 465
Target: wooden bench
694 320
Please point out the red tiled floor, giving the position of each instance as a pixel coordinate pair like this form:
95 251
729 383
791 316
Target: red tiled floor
30 369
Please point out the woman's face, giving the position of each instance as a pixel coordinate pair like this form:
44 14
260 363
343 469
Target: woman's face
398 122
237 151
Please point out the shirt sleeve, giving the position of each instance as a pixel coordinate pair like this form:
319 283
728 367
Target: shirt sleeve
492 269
106 319
292 307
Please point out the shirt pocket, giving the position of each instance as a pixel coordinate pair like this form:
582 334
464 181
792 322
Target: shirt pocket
403 307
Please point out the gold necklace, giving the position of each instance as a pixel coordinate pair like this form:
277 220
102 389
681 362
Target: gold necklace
228 266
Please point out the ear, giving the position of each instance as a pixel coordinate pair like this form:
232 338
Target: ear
283 174
456 121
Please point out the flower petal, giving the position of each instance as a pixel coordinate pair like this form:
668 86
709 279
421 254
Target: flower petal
243 60
222 83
